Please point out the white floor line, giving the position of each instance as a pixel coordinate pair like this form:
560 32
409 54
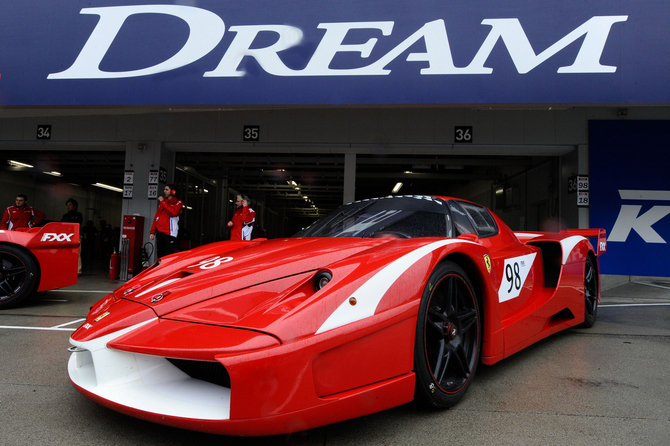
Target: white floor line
635 305
652 285
69 323
11 327
55 328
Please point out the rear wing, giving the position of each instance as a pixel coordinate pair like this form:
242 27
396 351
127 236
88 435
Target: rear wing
601 234
54 235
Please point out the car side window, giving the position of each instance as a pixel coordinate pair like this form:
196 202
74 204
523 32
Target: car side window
450 227
461 222
483 221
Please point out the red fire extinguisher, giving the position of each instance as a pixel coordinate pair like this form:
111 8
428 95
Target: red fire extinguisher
114 266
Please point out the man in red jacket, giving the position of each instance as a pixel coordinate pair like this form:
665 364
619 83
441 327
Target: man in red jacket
165 225
21 215
243 219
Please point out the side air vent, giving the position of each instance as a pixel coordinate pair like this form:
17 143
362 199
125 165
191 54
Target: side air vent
560 317
551 259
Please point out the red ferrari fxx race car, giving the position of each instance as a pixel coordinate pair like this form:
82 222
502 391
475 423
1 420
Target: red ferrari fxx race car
382 302
37 259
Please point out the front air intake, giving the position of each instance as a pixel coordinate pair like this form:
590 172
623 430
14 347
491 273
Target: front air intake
211 372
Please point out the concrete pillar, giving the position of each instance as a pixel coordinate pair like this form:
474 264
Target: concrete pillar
583 169
142 157
349 178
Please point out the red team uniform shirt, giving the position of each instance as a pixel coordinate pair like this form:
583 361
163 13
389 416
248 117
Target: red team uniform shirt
15 217
167 217
243 223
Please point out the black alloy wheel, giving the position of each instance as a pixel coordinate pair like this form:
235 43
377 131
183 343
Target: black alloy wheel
448 337
18 275
590 293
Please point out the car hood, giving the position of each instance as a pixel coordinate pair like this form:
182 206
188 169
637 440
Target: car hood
222 268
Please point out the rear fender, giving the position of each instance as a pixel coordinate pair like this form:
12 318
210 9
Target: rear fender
599 233
483 279
56 249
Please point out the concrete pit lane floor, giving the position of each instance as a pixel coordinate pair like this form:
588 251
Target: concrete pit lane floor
608 385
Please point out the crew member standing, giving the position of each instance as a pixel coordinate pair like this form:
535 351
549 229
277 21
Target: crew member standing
74 216
21 215
243 219
166 222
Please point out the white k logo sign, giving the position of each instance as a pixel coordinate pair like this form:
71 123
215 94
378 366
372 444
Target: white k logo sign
629 218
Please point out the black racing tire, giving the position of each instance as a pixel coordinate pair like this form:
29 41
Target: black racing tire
590 293
448 338
18 275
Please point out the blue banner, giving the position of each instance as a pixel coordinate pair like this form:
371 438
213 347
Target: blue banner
214 52
630 195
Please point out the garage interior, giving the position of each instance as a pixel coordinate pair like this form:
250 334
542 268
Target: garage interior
517 162
293 190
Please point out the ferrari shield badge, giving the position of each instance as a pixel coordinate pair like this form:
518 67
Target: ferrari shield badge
487 262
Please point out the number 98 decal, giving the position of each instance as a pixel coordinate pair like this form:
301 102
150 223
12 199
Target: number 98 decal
514 276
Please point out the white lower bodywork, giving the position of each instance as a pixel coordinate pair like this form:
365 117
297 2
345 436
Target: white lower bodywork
147 383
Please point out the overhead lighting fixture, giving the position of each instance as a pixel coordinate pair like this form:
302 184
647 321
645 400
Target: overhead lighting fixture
18 164
107 186
53 173
396 188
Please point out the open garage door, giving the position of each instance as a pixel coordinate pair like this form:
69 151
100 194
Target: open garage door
294 189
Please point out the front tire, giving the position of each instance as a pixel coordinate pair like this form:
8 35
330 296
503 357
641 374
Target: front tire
448 338
18 275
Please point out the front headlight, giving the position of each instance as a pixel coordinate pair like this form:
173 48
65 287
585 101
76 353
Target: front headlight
322 279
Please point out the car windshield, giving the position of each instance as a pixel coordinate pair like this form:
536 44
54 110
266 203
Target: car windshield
400 216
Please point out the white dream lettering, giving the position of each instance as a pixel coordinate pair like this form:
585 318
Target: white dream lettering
207 30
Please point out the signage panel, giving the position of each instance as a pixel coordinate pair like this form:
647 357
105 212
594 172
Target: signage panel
630 190
43 132
83 52
463 134
251 133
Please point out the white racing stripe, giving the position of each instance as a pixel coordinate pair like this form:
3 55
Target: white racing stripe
371 292
160 285
568 245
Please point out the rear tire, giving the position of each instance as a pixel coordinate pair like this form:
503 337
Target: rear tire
590 293
448 338
18 275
